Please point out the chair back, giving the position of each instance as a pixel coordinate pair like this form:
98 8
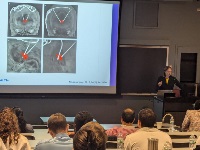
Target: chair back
111 142
181 139
30 137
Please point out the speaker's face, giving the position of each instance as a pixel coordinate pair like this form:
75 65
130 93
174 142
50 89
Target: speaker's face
168 72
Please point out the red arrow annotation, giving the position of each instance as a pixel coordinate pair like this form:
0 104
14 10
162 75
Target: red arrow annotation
59 57
62 21
25 20
24 55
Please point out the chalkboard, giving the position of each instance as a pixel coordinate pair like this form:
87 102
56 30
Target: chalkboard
140 67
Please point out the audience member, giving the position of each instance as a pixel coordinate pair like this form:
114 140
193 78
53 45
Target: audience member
127 119
191 121
91 136
23 126
139 139
57 128
82 118
9 131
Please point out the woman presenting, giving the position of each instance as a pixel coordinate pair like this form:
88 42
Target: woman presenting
167 81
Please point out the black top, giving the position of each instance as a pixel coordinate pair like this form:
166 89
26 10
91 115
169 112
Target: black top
170 85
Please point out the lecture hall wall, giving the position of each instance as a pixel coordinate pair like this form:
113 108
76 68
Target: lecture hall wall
178 28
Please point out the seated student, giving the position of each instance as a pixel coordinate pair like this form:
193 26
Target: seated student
23 126
82 118
9 131
91 136
191 121
139 139
127 119
57 128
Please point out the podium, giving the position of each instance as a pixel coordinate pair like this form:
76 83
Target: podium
158 102
166 102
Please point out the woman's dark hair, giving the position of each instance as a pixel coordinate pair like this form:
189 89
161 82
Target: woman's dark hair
82 118
21 121
91 136
197 105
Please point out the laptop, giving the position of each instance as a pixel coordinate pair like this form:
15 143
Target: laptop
165 93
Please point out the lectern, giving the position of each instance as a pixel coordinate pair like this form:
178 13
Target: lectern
158 102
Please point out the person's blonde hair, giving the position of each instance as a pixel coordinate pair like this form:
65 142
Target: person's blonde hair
57 122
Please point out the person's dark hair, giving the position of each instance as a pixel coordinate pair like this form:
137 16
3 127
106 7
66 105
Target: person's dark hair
9 128
128 115
21 121
197 105
57 122
147 117
82 118
166 68
91 136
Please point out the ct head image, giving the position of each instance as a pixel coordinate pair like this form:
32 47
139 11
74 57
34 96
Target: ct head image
24 20
59 56
60 21
24 56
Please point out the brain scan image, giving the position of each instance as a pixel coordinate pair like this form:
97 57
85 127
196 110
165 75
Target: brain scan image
59 56
24 56
60 21
24 20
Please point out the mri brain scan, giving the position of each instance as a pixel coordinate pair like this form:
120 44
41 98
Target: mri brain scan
24 56
61 22
59 56
24 20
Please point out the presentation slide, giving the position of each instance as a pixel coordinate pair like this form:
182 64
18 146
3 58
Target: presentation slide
58 47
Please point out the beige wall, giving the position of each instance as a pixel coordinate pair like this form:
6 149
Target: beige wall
178 28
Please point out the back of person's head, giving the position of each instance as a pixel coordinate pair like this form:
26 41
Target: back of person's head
128 115
82 118
20 115
57 122
197 105
91 136
147 117
9 128
18 111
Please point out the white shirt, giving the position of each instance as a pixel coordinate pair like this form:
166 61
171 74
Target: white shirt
139 139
